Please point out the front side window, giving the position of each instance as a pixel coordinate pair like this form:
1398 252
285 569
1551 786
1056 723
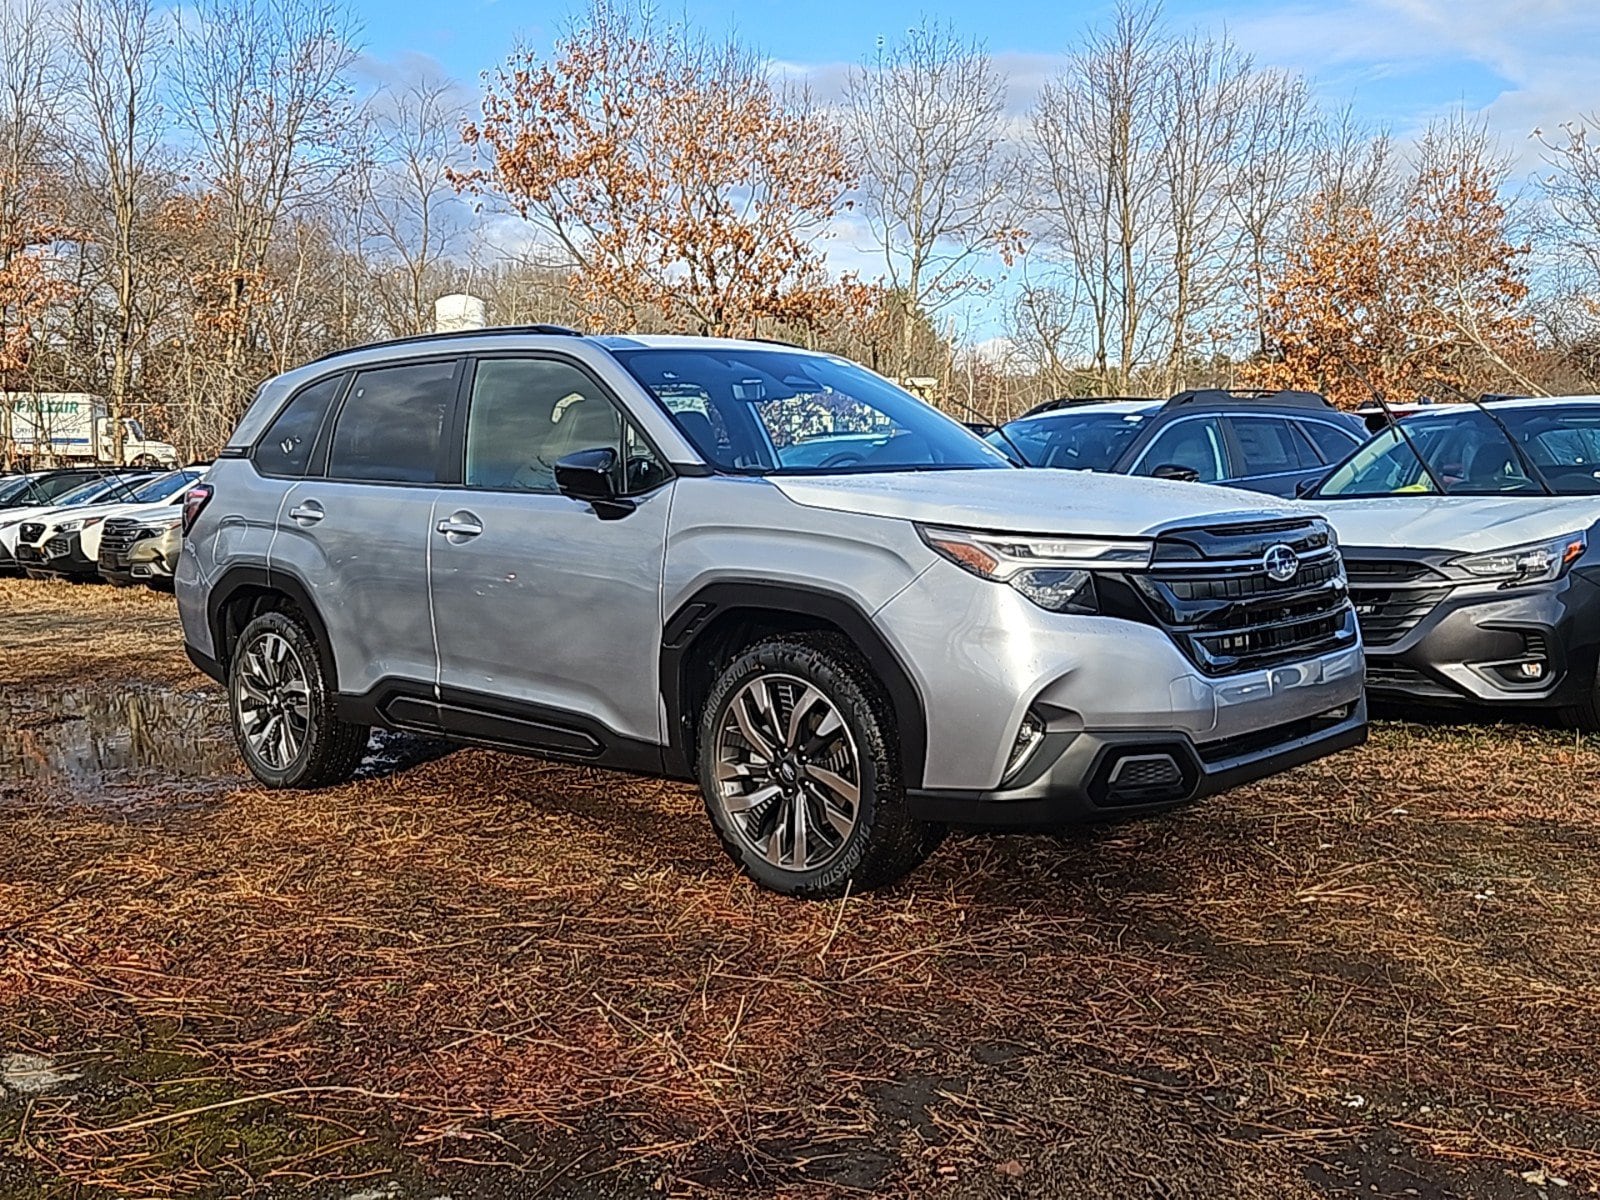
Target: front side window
1194 444
1269 447
285 449
779 412
392 423
1333 445
526 414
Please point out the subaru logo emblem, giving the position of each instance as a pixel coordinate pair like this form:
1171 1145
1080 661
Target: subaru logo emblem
1281 562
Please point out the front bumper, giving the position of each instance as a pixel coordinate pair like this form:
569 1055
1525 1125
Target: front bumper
1076 778
985 659
1471 647
60 554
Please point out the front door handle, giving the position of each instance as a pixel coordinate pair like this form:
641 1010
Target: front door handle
307 512
460 526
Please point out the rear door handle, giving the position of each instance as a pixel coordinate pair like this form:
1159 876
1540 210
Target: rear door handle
459 526
307 512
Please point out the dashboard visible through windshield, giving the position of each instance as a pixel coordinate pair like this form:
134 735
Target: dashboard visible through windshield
775 412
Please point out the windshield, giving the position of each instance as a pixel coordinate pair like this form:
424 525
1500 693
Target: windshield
1073 441
776 412
1470 456
164 486
83 492
14 487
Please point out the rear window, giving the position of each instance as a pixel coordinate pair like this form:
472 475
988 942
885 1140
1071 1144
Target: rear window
392 423
1269 447
285 449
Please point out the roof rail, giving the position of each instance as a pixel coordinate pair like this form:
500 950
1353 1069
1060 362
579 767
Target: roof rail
1075 401
1498 397
420 338
1287 398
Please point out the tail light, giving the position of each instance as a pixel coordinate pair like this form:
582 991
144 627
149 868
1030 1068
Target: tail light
194 503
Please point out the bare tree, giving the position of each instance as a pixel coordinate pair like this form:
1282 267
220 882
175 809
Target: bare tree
261 91
1204 102
1270 175
29 178
1097 141
116 52
409 207
926 119
1571 229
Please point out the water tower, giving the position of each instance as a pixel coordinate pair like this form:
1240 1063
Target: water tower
458 311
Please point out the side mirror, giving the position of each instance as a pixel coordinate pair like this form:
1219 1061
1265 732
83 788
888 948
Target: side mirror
1304 488
590 476
1174 471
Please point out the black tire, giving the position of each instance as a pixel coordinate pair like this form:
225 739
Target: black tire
330 749
885 841
1584 716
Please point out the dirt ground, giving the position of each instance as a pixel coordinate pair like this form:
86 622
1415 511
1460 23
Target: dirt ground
476 975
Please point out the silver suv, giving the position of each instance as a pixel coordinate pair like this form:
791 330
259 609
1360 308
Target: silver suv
770 570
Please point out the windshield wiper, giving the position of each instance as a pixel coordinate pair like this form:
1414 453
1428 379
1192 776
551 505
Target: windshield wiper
1405 434
1528 465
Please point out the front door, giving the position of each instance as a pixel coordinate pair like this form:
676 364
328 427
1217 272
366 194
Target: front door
547 616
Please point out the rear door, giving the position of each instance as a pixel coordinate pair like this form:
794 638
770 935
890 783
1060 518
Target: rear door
355 530
548 616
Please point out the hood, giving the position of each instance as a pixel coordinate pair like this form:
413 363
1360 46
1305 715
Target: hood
1033 500
1467 524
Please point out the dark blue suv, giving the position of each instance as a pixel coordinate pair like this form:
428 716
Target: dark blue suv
1274 442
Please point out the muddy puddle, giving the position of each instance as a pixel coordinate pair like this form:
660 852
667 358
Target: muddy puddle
115 744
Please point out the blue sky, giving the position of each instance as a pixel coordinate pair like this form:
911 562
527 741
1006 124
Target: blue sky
1522 63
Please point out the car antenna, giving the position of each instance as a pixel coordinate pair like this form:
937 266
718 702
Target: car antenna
1405 434
1528 464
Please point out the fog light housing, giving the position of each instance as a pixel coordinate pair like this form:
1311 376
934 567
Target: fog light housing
1531 670
1029 734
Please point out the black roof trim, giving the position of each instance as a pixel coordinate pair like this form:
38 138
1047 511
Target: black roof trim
1231 397
425 338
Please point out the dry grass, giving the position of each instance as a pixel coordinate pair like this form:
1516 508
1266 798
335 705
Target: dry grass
494 974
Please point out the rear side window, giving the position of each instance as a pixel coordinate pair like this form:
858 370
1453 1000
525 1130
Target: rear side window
285 449
1269 447
391 424
1332 444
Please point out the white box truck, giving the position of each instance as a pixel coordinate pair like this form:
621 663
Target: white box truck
71 428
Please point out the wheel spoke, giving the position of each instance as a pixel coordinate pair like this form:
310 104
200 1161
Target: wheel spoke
798 841
835 783
744 803
808 700
758 742
841 821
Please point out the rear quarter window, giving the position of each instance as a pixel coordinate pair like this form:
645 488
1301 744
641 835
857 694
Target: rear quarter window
1334 445
285 448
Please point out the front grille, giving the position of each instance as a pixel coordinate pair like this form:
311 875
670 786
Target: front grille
1393 596
1210 589
116 539
30 531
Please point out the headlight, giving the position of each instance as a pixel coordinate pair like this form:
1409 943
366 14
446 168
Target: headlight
77 523
1537 562
1055 573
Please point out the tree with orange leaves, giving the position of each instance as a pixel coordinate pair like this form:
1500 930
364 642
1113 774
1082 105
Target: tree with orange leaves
678 180
1431 298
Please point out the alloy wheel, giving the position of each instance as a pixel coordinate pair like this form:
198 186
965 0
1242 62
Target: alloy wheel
787 772
273 698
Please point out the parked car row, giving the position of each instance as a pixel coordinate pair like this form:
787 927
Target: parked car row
124 526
